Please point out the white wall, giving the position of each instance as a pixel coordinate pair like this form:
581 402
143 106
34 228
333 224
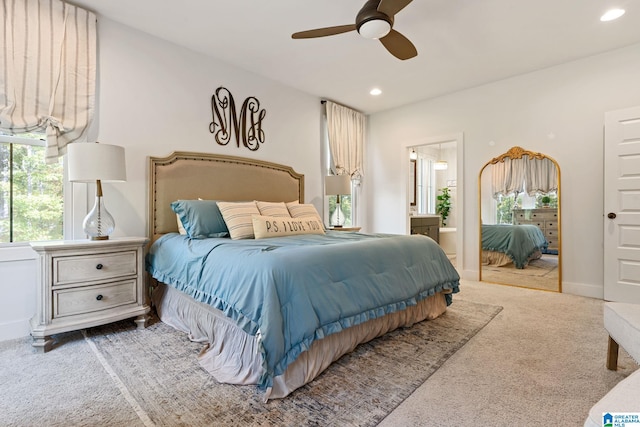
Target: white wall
154 98
558 111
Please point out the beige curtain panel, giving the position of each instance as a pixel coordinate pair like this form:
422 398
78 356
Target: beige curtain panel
507 177
541 176
47 71
517 175
346 139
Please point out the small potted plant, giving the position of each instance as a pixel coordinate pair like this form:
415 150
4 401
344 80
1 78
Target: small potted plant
546 200
443 205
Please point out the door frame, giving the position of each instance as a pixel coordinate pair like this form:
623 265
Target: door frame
458 138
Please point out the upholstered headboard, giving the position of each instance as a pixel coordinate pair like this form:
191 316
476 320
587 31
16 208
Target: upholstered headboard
188 176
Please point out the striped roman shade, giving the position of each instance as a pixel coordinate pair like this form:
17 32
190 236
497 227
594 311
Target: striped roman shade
47 71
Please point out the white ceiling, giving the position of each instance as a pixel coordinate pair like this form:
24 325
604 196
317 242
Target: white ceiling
460 43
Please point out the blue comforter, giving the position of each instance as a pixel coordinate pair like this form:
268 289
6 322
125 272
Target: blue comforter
291 291
519 242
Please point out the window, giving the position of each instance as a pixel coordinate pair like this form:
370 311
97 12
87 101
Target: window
344 216
506 204
426 182
31 191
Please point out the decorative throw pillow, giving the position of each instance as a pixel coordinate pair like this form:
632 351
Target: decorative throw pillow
237 216
200 218
276 226
303 210
273 209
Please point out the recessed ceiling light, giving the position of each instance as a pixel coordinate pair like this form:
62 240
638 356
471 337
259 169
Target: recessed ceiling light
375 91
612 14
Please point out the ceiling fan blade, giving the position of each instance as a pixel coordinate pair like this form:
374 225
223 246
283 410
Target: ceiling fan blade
391 7
322 32
398 45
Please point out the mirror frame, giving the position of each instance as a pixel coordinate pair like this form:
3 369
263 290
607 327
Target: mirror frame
517 153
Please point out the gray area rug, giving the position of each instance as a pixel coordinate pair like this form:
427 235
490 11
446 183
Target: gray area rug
153 375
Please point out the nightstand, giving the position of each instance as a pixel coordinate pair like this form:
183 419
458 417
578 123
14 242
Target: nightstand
85 283
345 228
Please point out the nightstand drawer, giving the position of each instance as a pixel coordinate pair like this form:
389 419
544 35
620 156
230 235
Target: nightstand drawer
83 268
87 299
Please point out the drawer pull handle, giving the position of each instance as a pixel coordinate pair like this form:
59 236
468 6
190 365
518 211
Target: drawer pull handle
99 297
99 267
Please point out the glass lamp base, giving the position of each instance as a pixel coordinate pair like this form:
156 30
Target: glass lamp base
99 223
337 219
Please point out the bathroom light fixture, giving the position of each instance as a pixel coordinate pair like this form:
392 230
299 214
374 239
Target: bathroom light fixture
440 165
612 14
375 91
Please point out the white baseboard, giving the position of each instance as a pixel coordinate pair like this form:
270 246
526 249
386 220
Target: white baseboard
584 290
13 330
580 289
470 275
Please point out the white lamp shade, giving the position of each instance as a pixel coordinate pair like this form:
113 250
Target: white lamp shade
90 162
337 184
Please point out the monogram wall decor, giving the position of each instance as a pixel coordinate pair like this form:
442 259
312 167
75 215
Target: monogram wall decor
246 127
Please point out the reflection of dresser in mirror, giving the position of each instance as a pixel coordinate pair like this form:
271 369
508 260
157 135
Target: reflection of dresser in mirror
427 225
545 218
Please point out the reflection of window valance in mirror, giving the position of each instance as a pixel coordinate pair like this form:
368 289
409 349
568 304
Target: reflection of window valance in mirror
518 169
507 177
541 176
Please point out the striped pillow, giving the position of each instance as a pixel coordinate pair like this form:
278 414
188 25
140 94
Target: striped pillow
278 209
238 217
303 210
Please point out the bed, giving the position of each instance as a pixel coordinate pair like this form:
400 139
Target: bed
518 244
276 312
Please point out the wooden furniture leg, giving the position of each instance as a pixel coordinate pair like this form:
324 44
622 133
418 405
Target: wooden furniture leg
612 355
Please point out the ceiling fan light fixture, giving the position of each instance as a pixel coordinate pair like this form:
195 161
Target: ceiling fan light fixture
374 29
612 14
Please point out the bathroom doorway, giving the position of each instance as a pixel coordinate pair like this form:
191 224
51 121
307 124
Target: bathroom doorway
435 172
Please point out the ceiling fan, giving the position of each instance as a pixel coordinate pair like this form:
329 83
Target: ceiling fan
374 21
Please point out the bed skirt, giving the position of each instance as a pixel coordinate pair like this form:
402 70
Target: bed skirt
500 259
232 356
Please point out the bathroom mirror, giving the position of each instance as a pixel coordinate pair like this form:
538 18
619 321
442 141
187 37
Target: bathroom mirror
520 230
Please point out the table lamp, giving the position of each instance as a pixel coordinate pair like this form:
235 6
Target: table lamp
90 162
337 185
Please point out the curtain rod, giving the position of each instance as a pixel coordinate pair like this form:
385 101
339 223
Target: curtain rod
324 101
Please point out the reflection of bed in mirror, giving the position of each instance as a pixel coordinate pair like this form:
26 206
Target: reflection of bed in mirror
505 244
511 191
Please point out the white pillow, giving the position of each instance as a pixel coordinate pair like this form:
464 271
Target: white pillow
275 226
237 216
181 229
273 209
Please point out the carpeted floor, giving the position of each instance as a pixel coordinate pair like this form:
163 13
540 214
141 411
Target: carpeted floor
115 375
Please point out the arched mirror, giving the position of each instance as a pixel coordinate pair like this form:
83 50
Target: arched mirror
519 205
